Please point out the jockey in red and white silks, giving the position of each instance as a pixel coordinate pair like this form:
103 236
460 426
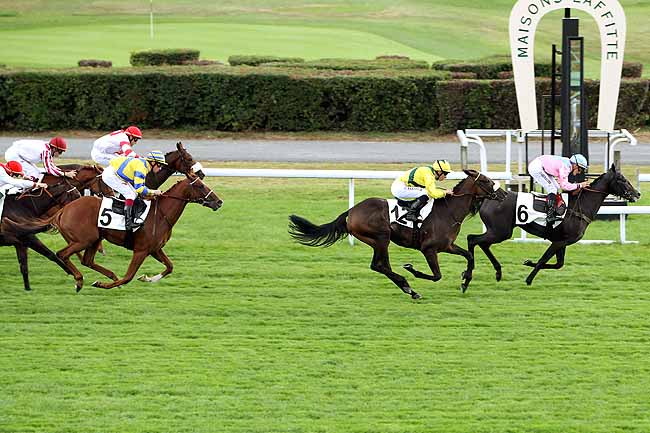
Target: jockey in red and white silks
30 152
117 143
11 175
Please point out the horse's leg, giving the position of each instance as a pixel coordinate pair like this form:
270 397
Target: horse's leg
34 243
559 257
550 252
88 260
64 255
136 262
21 252
485 241
381 263
162 258
455 249
432 259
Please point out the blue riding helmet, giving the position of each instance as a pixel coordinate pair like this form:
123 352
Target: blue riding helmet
579 160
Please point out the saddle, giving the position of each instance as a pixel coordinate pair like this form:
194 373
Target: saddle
541 205
139 207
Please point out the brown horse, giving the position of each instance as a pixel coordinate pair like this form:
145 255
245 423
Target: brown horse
77 223
369 222
44 202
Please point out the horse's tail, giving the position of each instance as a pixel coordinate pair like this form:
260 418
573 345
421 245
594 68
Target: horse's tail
29 227
306 233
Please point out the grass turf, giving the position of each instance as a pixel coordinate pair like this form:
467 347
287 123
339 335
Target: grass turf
59 33
254 333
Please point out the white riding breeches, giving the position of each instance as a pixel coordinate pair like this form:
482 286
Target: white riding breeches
29 168
404 192
547 181
101 158
111 179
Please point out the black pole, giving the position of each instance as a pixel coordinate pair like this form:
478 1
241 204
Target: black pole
567 12
553 96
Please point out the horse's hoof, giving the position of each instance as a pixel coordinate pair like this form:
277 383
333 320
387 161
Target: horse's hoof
78 288
498 275
529 263
415 295
408 266
463 287
97 284
143 277
28 289
529 281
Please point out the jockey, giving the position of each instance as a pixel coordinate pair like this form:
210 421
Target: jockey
117 143
12 174
29 152
127 176
419 183
546 168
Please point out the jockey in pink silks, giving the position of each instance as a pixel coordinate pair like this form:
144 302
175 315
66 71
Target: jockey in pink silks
552 173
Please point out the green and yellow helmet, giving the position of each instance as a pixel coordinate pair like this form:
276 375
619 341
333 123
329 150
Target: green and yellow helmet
156 156
442 165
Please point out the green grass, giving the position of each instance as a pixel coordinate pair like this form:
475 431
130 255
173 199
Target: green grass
59 33
254 333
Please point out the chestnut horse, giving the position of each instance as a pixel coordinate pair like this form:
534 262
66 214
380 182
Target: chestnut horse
499 218
77 223
33 204
369 222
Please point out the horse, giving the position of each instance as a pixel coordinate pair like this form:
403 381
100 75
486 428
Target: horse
499 218
77 224
29 205
369 222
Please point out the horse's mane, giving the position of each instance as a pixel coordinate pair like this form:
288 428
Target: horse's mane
476 203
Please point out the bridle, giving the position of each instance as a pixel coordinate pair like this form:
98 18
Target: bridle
166 194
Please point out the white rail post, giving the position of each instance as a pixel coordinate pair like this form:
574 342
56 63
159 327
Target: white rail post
622 228
351 203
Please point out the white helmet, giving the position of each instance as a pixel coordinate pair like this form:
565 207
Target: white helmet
579 160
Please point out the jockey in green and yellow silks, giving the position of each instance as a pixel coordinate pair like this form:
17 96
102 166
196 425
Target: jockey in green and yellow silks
419 184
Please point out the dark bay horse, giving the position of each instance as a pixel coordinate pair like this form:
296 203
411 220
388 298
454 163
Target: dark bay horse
369 222
29 205
77 223
499 218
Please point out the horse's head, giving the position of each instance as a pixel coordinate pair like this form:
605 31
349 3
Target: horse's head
180 160
613 182
480 186
199 192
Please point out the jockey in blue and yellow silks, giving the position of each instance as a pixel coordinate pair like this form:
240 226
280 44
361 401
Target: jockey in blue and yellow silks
127 175
419 183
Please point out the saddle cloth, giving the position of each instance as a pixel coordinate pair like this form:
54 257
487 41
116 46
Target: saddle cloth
531 208
111 213
396 212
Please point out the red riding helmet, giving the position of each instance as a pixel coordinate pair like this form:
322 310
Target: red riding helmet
59 143
14 167
133 131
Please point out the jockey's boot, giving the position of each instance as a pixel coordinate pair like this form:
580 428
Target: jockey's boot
417 204
551 209
128 218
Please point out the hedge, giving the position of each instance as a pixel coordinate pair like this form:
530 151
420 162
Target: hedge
258 60
236 100
176 56
356 64
257 98
488 68
493 103
632 70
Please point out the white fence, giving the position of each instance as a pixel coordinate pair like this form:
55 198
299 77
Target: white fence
351 175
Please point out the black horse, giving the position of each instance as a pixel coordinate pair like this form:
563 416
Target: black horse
499 218
30 205
369 222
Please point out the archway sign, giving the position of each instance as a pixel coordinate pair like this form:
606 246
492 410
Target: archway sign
524 18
